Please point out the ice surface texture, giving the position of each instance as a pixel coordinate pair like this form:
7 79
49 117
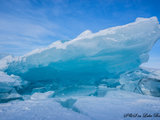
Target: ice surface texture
113 106
143 81
89 59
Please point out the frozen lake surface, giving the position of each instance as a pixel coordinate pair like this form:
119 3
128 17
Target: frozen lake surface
113 106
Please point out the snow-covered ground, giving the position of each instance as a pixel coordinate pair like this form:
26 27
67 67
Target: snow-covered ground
113 106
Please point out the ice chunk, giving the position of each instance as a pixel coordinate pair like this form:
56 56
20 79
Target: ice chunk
40 96
143 81
8 87
90 57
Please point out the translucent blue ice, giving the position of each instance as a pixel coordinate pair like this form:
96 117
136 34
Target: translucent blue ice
89 59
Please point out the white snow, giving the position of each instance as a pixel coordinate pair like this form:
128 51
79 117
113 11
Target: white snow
111 107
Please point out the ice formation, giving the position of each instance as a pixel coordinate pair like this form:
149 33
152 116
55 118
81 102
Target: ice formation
144 81
90 59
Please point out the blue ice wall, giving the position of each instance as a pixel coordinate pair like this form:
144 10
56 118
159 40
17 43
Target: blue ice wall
90 57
